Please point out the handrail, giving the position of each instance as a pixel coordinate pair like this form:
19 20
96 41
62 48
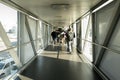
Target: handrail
116 51
12 47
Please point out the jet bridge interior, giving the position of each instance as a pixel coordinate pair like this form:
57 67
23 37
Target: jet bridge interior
25 38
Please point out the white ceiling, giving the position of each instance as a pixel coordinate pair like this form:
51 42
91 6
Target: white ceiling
58 15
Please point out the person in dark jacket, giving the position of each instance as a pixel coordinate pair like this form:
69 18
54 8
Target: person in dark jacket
54 36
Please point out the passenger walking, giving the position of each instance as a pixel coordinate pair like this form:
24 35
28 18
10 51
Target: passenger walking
59 35
70 35
54 36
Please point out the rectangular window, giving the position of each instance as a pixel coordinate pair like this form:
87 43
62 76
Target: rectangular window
8 39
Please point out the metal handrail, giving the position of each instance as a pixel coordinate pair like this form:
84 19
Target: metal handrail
12 47
116 51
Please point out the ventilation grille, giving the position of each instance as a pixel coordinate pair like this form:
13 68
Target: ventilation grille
60 6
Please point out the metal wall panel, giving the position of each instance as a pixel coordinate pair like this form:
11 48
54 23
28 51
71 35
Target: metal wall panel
78 36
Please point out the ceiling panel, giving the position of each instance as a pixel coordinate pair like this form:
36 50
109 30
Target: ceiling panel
60 14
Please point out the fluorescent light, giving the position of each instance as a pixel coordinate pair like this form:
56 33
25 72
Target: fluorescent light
63 6
109 1
33 17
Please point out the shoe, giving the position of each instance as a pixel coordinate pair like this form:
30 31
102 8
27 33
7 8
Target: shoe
70 52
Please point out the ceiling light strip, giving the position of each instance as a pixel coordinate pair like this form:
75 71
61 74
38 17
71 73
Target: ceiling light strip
19 8
106 3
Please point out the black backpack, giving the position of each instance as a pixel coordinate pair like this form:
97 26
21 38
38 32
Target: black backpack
70 36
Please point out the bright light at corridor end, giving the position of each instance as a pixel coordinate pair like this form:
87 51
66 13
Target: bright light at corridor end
107 2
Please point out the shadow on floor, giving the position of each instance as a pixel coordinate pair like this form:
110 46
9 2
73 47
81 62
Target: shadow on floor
52 48
55 48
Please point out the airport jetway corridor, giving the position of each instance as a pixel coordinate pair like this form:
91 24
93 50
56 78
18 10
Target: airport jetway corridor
29 52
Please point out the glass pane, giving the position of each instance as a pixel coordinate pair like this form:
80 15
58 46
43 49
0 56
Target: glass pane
88 46
2 45
84 24
103 22
40 35
115 40
26 50
8 66
32 25
49 35
110 65
8 18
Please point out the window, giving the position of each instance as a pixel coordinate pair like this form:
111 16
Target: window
8 39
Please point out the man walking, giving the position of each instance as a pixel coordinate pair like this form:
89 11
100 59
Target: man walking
70 35
54 36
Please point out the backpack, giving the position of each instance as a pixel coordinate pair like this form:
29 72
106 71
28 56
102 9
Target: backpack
70 36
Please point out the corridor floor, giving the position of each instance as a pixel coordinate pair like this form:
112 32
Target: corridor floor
67 67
